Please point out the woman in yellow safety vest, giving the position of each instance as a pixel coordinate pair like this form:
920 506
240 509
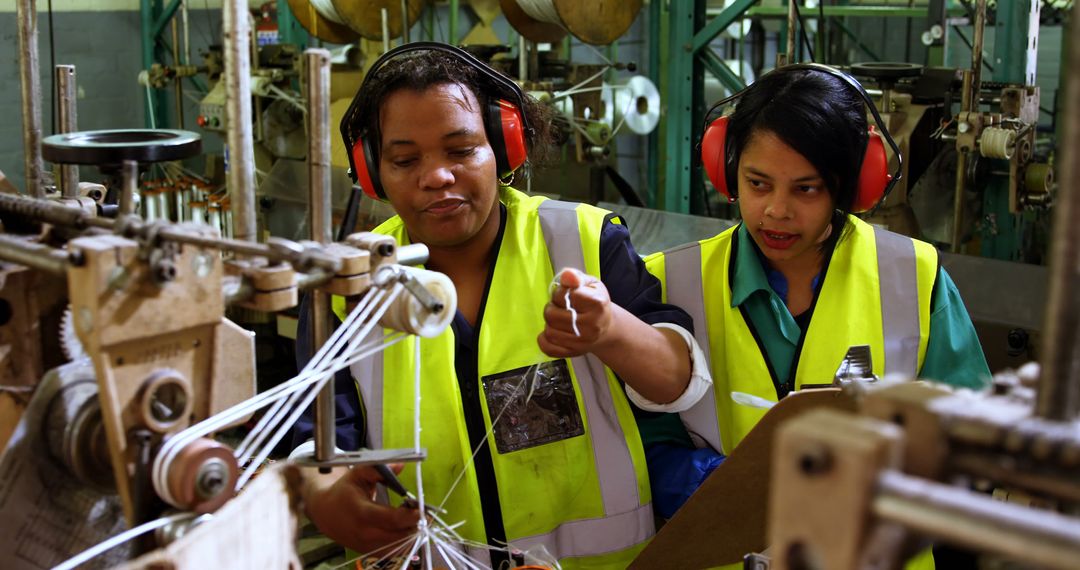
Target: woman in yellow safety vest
780 299
433 130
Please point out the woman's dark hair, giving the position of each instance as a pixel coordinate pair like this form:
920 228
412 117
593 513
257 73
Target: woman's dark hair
819 116
420 70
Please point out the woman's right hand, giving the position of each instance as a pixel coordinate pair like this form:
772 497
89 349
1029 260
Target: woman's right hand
342 505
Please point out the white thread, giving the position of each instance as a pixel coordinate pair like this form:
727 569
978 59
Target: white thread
119 539
326 9
573 314
996 142
542 10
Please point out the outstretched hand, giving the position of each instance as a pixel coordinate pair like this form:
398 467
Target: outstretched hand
590 309
345 510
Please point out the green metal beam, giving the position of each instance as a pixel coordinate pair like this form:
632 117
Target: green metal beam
721 71
858 43
155 111
1017 21
289 29
163 19
857 11
452 38
722 20
656 45
684 93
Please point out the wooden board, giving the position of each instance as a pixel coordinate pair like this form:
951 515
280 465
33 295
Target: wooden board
726 518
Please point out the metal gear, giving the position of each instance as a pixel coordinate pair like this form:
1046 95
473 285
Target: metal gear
69 340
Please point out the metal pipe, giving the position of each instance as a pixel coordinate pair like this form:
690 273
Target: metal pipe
130 176
976 55
522 67
187 32
241 175
1035 536
317 73
45 211
791 32
961 169
236 290
385 30
412 254
33 255
30 83
404 21
178 90
67 111
1059 383
72 217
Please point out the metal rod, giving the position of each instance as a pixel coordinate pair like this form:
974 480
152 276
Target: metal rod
791 32
1059 384
72 217
178 90
241 175
385 30
45 211
412 254
130 176
404 21
67 107
1035 536
976 55
33 255
236 290
187 31
30 83
961 169
522 59
317 72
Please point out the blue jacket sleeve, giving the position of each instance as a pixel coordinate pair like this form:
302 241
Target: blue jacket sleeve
349 413
676 472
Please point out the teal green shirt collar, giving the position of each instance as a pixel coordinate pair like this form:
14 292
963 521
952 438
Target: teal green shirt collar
749 276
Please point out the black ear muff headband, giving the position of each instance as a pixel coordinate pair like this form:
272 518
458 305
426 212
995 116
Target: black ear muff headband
714 113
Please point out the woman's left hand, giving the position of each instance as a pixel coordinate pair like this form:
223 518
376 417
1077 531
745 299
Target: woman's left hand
592 303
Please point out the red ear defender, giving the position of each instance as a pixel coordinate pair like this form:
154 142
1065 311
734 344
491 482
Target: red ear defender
873 176
513 136
363 171
713 157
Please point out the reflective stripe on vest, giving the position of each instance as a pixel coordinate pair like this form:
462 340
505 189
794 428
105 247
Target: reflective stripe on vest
618 480
700 419
899 307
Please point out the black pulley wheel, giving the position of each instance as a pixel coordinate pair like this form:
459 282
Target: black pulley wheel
113 147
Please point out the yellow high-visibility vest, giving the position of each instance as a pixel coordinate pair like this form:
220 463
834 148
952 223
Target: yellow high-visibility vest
585 498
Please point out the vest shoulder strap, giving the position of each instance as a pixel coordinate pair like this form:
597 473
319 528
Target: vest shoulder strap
898 278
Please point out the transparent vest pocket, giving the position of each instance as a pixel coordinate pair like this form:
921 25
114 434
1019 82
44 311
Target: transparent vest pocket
533 405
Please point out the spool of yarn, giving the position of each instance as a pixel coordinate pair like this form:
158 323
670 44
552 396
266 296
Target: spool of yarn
996 142
637 103
409 315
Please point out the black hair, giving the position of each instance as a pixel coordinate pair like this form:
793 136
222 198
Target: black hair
819 116
421 70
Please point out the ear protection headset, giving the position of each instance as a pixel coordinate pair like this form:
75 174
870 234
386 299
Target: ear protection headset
504 122
875 182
